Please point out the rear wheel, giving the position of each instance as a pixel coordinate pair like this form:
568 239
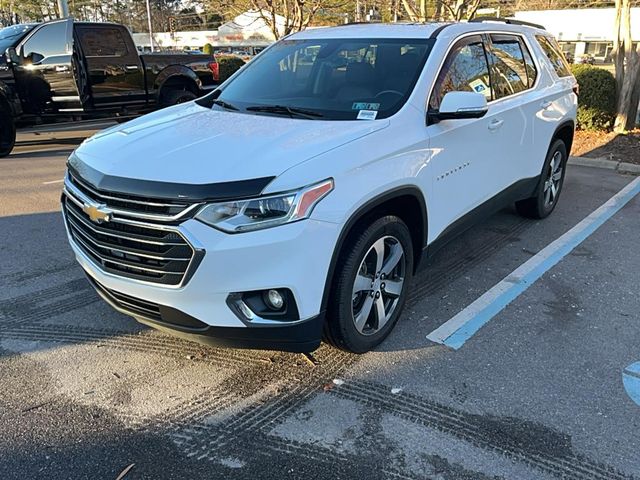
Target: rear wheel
174 97
550 184
7 131
370 286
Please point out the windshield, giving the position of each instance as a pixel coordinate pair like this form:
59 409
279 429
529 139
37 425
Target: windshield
9 36
332 79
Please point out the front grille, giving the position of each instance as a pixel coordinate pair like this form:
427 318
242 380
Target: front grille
135 307
124 246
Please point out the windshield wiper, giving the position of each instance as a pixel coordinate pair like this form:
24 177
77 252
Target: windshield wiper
224 104
284 110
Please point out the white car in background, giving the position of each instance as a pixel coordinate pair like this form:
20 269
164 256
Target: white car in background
296 201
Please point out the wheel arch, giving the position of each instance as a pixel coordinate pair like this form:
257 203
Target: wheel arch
402 202
175 76
565 132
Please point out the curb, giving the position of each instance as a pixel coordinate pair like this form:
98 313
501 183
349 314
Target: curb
621 167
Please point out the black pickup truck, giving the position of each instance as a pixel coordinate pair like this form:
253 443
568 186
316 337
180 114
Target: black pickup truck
67 70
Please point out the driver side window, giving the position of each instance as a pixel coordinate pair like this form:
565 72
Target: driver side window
465 70
47 41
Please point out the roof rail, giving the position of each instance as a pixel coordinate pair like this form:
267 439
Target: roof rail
510 21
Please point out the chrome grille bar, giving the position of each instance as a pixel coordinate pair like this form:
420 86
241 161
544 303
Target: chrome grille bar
125 243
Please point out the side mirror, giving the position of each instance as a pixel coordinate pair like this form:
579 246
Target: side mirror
11 56
459 106
34 58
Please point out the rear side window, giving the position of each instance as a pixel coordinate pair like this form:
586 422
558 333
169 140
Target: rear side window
465 70
509 67
553 52
102 42
532 71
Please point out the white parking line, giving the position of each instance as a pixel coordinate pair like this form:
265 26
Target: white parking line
53 181
456 331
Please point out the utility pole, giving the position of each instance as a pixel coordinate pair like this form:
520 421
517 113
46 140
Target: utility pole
63 8
150 29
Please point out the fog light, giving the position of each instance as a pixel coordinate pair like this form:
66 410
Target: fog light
274 300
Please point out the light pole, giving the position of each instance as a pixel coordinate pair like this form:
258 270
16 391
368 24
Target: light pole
63 8
149 19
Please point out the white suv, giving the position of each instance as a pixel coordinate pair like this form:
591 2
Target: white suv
296 201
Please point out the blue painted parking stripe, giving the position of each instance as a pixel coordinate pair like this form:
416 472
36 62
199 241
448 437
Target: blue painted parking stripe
460 328
631 381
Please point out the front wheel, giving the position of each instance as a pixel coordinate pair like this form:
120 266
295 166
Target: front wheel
370 286
7 131
547 193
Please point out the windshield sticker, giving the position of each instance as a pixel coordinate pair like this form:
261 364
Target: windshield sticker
367 115
365 106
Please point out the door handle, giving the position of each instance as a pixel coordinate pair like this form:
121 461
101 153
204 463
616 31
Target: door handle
131 67
545 105
495 125
62 68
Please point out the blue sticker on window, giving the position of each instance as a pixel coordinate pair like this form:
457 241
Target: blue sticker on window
365 106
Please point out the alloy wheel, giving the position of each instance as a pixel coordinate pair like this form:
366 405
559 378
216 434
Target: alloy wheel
378 285
552 182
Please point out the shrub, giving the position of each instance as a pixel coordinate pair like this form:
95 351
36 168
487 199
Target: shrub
208 49
228 66
597 99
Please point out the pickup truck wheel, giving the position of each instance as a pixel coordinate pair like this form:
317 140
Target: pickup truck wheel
370 286
547 193
174 97
7 131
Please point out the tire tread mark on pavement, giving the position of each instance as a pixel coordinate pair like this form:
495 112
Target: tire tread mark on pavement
467 427
129 341
43 304
265 415
443 271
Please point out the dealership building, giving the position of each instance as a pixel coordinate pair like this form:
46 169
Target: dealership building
585 31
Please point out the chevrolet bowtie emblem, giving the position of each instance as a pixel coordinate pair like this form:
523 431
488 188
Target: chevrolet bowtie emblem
97 213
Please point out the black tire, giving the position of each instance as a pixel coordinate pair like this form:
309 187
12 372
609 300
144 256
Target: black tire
539 206
340 329
7 131
175 96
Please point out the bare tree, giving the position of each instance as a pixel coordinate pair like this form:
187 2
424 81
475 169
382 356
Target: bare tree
296 14
443 9
459 9
627 63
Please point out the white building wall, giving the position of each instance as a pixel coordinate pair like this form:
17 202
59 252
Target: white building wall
591 24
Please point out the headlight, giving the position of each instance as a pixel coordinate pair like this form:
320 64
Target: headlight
264 212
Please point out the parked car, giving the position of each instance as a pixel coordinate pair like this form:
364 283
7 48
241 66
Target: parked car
586 59
62 69
295 203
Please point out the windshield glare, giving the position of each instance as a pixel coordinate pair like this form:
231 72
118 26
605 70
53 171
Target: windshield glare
340 79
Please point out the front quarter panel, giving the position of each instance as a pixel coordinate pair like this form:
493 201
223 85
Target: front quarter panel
386 159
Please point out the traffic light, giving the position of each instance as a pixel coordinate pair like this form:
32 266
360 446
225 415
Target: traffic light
172 24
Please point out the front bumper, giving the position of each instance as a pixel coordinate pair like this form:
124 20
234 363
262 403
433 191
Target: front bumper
294 256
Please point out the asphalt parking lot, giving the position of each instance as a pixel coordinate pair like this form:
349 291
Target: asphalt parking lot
537 393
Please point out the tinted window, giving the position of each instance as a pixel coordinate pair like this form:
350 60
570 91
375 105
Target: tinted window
532 71
465 70
102 42
336 78
509 68
554 54
47 41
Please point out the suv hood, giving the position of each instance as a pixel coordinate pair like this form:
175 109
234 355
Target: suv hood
191 144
